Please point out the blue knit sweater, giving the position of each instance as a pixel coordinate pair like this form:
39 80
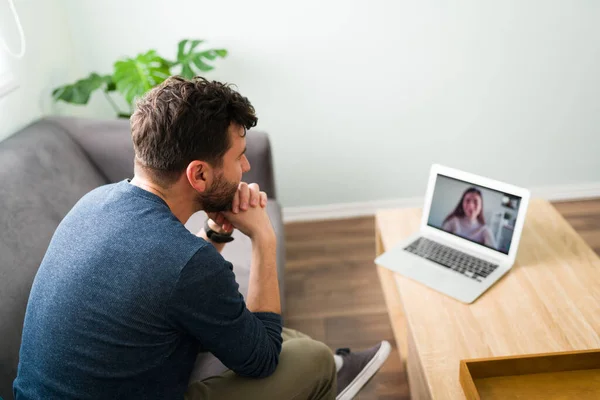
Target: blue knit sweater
124 299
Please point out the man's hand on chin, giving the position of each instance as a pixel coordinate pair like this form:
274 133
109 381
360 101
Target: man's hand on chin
247 196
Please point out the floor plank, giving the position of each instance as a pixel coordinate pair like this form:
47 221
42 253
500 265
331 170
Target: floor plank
333 292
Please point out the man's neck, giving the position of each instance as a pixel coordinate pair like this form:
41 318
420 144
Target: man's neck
177 201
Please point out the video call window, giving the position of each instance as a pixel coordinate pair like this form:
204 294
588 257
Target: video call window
475 213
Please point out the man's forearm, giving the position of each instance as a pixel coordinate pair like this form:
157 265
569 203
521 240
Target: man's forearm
263 288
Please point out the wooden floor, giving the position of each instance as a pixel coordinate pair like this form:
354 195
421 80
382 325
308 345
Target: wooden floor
333 292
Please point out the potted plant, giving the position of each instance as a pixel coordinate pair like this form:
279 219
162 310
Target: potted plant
132 77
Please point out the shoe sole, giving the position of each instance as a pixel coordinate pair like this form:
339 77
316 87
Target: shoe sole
367 372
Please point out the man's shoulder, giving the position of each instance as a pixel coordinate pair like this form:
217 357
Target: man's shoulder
104 189
96 195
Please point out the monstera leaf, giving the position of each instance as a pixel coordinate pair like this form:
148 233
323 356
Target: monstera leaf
192 61
80 91
135 76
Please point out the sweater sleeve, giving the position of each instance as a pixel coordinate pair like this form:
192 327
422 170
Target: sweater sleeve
206 303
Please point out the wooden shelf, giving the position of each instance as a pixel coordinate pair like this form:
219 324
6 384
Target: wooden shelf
548 376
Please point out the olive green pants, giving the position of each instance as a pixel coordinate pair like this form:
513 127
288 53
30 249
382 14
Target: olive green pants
306 370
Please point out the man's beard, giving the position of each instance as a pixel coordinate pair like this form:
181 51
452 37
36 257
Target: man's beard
219 197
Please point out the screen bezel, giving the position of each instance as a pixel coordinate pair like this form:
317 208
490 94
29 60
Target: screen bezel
487 183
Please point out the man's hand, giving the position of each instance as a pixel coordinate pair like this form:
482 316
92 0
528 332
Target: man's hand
254 223
247 196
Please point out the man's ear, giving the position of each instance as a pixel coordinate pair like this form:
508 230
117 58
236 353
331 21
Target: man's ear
199 174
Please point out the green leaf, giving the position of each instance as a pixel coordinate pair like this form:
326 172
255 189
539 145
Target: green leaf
181 46
80 91
193 61
202 66
110 84
187 72
135 76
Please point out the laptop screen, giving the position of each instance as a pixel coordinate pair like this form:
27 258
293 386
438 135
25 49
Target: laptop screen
476 213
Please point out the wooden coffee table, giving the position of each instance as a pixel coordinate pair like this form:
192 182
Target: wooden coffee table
548 302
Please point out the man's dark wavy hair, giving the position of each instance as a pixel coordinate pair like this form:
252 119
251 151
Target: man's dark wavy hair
184 120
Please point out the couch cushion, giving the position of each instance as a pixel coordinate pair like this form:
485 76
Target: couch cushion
43 173
107 143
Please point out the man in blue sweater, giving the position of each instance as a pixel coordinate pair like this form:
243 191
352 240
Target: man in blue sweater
126 296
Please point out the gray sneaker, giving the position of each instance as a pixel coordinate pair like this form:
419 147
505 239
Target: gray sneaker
358 368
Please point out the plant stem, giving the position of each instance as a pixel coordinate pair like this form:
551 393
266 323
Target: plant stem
112 103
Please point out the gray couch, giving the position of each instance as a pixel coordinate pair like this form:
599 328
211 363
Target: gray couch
44 170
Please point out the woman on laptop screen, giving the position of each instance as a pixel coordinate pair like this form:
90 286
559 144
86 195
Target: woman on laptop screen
467 219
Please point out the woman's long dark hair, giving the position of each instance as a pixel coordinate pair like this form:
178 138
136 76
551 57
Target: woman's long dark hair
459 211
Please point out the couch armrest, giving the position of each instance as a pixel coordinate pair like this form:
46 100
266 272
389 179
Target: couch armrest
258 151
106 142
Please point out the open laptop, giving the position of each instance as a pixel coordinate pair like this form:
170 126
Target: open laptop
468 237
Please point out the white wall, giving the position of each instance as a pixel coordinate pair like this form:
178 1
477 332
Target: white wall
48 62
361 96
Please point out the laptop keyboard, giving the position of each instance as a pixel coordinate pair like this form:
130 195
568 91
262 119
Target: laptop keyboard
472 267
